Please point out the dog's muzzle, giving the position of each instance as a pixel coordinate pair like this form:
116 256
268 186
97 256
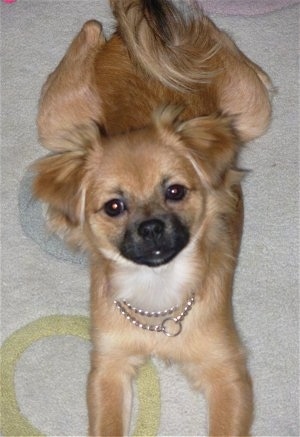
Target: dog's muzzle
154 242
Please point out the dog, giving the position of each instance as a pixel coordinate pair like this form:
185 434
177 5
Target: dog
144 131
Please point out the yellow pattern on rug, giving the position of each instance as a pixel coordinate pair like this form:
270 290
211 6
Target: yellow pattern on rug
13 423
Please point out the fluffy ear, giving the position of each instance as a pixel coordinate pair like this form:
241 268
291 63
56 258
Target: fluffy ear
60 178
212 145
210 141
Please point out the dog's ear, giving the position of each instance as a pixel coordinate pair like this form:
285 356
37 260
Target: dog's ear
212 146
60 178
210 141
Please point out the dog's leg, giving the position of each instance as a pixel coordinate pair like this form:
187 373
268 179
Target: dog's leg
228 390
230 406
245 91
110 394
68 97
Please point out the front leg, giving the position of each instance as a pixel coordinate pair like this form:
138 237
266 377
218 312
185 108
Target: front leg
110 394
228 391
230 407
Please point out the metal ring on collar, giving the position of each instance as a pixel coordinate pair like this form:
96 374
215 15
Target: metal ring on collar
175 322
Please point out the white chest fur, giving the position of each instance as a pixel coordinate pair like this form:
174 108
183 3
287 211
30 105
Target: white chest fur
159 288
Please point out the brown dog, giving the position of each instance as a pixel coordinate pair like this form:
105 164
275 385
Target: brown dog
145 130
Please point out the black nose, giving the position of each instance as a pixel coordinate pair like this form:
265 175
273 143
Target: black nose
151 229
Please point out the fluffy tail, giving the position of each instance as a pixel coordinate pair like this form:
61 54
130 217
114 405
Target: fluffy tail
173 45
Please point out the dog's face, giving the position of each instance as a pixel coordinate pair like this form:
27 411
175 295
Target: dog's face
139 197
145 200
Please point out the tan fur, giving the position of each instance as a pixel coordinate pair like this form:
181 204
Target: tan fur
123 88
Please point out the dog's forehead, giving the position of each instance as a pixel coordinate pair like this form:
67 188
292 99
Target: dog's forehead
138 165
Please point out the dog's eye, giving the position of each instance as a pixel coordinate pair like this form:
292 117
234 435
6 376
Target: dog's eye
114 207
175 192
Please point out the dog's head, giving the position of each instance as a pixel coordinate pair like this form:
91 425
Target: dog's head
138 197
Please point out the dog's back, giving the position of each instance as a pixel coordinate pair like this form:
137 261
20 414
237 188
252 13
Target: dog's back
159 54
162 54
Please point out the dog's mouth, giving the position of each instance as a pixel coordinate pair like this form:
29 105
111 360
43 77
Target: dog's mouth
155 242
156 257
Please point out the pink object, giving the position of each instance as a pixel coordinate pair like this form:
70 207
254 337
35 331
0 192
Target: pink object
245 7
8 1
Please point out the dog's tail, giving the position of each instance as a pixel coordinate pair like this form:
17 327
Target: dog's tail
173 45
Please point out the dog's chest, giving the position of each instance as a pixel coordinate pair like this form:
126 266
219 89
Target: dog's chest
154 289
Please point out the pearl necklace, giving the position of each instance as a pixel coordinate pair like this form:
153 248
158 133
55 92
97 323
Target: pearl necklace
170 326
